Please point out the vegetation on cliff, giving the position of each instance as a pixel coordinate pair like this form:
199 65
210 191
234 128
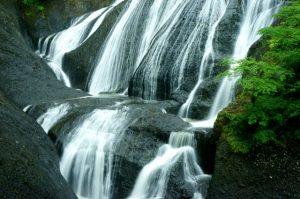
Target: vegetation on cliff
32 7
267 107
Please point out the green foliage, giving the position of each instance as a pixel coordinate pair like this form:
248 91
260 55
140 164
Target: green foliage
267 109
32 6
30 3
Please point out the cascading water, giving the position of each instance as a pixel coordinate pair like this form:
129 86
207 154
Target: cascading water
258 15
161 13
212 13
146 36
54 47
152 181
164 17
53 115
87 160
116 57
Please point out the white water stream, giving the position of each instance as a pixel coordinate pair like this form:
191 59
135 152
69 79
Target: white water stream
257 15
54 47
213 12
87 160
114 64
163 18
53 115
109 73
152 182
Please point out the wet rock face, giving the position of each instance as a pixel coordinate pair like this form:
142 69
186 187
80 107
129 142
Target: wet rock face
138 147
203 99
78 64
29 163
228 30
24 77
206 149
224 42
269 172
58 14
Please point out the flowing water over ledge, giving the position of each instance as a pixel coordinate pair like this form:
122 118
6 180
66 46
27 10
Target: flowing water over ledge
155 50
89 145
87 160
153 179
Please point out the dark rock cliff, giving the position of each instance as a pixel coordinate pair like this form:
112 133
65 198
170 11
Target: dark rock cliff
269 172
28 160
29 163
24 77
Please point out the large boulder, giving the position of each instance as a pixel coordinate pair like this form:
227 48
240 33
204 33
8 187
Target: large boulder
139 145
29 163
206 149
80 106
269 172
24 77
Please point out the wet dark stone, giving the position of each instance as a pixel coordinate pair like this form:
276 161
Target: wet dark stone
269 172
24 77
206 149
228 30
29 163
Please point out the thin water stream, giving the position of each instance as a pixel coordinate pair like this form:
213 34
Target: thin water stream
54 47
257 15
152 181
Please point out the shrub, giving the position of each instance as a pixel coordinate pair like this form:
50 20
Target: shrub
267 108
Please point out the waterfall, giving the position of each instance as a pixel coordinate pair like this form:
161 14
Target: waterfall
163 19
258 15
152 181
161 13
54 47
114 61
179 139
87 161
119 58
150 41
211 13
53 115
